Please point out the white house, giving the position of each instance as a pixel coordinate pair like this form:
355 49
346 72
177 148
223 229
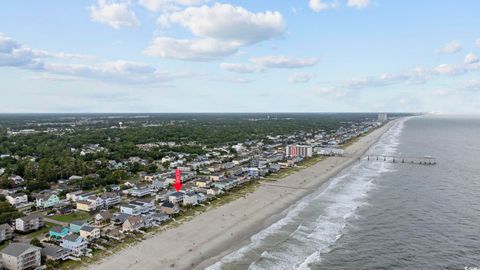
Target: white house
32 222
190 198
19 256
140 191
110 199
17 199
76 244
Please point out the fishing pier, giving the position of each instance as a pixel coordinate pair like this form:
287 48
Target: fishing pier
425 160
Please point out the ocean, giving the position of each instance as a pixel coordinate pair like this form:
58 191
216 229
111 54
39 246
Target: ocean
379 215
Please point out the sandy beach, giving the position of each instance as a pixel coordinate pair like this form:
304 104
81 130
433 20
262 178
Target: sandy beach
199 242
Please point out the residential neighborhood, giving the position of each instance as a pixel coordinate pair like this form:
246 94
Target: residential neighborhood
66 223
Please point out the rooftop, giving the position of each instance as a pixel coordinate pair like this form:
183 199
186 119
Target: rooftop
16 249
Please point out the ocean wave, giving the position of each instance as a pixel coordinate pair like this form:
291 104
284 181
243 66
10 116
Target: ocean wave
318 220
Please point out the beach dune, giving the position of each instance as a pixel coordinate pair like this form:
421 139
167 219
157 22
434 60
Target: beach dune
200 242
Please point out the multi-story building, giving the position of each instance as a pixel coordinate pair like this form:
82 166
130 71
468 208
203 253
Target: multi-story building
46 200
92 203
6 232
140 191
299 151
90 233
110 199
28 223
75 244
19 256
382 117
137 207
190 198
133 223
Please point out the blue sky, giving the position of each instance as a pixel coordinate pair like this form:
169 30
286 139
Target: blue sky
240 56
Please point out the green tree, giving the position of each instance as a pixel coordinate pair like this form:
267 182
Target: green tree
36 242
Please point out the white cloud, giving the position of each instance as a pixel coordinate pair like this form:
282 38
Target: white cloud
358 3
16 55
190 49
237 80
415 76
300 77
451 47
284 62
115 14
471 59
114 71
169 5
259 64
241 68
442 92
221 30
319 5
330 91
229 23
447 69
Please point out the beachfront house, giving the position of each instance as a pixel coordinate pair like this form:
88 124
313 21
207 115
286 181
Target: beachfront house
169 208
89 232
176 197
190 198
158 218
19 256
54 253
133 223
75 244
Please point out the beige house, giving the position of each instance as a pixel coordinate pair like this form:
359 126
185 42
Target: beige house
89 233
19 256
103 217
133 223
169 208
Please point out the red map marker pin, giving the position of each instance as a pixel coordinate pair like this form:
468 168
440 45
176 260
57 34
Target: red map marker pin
178 183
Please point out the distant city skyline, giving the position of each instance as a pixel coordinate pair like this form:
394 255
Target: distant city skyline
239 56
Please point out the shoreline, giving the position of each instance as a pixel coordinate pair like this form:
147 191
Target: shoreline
200 242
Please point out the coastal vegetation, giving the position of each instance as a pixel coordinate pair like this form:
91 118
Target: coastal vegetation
44 158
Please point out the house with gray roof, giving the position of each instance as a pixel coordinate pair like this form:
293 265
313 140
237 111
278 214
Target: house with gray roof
19 256
28 223
54 252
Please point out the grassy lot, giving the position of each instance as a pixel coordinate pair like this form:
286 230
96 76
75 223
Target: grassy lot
72 217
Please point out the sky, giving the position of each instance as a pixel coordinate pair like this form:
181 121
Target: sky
240 56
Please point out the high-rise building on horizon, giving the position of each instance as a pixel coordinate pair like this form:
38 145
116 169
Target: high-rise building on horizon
299 151
382 117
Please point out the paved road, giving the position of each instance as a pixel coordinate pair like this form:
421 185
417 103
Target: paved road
55 221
